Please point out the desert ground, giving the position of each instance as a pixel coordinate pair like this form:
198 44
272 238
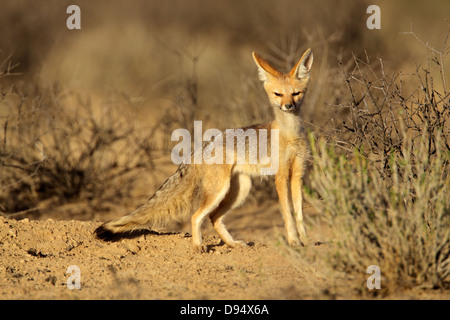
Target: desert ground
36 256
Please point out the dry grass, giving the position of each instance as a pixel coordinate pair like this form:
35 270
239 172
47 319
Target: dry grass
388 202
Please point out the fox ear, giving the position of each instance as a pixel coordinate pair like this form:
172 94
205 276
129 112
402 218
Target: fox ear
264 68
302 68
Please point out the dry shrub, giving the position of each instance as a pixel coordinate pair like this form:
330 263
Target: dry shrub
388 202
402 225
55 150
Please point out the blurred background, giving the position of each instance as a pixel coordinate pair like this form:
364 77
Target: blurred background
141 47
114 90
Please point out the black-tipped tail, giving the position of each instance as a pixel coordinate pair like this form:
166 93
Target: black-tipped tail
105 234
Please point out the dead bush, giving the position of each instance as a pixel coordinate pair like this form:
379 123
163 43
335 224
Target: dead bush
388 201
55 149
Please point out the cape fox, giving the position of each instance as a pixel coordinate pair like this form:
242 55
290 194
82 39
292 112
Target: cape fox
213 190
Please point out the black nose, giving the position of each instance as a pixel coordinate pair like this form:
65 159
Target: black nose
288 106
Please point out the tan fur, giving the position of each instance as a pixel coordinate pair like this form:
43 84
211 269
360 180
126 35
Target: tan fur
213 190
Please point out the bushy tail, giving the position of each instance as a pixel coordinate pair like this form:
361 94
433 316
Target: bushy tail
174 200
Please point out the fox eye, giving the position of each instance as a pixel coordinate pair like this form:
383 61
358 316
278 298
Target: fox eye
296 93
278 94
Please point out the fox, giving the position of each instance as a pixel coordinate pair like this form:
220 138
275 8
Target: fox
214 190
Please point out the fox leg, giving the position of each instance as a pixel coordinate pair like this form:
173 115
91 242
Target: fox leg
239 188
211 201
283 189
297 198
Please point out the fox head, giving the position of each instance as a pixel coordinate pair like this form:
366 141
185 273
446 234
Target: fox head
285 90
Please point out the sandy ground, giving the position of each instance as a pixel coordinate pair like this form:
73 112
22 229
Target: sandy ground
36 254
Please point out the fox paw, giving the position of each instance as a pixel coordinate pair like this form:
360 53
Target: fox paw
237 243
308 242
202 248
303 242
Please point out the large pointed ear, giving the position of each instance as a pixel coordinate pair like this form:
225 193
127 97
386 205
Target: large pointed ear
264 68
303 67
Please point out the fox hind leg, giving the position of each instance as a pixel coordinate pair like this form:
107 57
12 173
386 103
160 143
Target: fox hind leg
211 201
239 188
